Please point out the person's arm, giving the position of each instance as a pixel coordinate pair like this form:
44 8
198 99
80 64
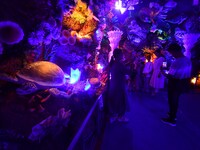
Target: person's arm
166 73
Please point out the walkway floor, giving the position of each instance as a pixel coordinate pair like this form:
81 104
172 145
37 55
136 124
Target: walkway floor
145 131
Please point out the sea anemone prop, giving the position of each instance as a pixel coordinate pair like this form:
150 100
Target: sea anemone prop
10 32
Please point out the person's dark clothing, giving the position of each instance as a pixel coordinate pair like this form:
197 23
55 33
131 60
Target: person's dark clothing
116 90
175 88
178 83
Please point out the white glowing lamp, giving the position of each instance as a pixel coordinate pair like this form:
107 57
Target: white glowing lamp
118 6
74 76
99 68
131 8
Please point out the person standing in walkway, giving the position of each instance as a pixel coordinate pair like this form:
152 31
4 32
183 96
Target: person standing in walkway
117 99
178 80
139 66
147 71
157 79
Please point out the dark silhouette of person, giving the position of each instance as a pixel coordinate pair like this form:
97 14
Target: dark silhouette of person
117 100
178 80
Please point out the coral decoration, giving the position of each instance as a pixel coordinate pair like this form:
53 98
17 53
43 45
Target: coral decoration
10 32
44 128
80 19
67 38
71 40
47 31
88 27
79 16
114 38
66 33
63 40
147 50
145 14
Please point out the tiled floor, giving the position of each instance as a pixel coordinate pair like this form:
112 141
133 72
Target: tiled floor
145 131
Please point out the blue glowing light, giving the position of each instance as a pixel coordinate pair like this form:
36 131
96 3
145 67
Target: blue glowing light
66 76
87 86
74 76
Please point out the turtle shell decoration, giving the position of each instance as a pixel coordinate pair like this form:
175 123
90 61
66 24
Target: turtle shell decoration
40 75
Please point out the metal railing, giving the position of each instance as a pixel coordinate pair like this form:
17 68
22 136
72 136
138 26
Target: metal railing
81 129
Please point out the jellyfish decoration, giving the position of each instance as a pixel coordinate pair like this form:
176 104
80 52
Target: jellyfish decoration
10 32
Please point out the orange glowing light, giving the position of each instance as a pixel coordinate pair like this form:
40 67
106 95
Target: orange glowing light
194 80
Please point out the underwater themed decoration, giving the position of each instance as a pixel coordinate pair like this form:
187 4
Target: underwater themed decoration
47 31
189 40
87 86
74 76
36 76
10 32
114 38
80 20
